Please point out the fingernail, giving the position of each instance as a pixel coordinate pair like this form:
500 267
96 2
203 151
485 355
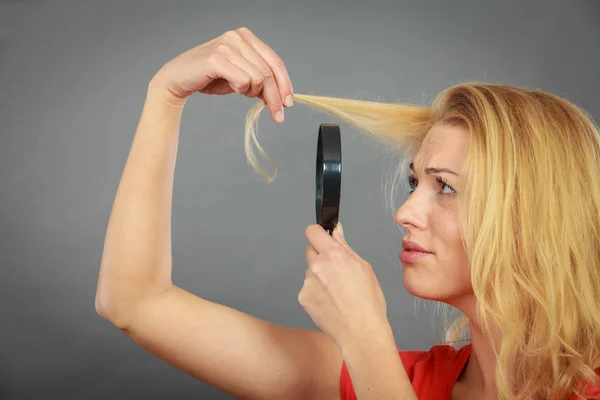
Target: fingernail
279 116
340 229
289 101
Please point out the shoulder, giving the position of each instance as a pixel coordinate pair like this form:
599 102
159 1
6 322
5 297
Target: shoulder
589 389
440 362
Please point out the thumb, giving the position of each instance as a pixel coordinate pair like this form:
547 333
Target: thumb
338 235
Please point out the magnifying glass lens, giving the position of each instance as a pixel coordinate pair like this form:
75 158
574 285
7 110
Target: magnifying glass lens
328 176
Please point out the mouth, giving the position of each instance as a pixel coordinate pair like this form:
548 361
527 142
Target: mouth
412 252
412 256
408 245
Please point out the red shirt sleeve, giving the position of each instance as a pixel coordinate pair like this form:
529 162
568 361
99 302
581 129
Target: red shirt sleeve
432 373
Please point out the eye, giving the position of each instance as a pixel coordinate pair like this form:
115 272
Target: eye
446 189
445 185
412 182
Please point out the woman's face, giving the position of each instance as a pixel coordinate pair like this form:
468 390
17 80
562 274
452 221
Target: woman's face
430 217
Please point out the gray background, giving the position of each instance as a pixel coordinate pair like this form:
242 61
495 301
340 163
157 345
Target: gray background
73 76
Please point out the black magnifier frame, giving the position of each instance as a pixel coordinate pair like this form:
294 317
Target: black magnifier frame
328 176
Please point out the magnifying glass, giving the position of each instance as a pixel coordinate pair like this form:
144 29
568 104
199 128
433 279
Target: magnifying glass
328 176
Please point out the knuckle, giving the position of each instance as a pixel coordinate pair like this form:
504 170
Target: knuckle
243 29
278 63
337 253
315 269
214 57
223 48
329 256
307 230
257 77
266 72
301 298
231 35
246 81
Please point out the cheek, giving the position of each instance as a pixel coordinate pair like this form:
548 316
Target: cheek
450 250
446 232
447 274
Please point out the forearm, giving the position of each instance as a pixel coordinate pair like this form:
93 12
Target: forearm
136 260
376 369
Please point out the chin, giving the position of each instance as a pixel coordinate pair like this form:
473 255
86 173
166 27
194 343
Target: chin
418 285
424 284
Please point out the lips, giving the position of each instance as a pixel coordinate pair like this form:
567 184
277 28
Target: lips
412 252
411 257
412 246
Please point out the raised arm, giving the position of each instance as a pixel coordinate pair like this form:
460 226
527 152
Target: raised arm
237 353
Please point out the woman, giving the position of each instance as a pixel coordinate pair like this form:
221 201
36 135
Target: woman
502 223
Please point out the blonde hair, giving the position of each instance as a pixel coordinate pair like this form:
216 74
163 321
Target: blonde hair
531 185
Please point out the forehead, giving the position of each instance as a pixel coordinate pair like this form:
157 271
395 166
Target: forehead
444 146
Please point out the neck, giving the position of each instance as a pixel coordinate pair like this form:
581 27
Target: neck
480 370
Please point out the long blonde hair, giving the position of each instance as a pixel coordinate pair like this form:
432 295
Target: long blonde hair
531 185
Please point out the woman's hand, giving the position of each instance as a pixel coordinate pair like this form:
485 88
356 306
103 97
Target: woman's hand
341 292
236 61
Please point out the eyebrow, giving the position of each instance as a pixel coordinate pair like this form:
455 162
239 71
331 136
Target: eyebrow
430 170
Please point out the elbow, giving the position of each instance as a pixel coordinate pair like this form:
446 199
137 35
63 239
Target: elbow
110 303
111 310
117 300
102 308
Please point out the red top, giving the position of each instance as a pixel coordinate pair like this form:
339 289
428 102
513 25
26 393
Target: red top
432 373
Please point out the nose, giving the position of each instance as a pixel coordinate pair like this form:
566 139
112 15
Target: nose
413 213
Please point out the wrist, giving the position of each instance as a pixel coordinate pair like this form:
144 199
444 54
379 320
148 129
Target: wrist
158 93
372 334
161 112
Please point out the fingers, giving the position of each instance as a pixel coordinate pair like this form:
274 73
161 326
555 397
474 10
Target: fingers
284 83
255 78
319 238
238 77
276 83
311 253
261 75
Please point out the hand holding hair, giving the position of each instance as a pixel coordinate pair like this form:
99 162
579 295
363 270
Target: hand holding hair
236 61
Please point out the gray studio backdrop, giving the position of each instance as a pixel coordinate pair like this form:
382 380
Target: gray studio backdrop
73 76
